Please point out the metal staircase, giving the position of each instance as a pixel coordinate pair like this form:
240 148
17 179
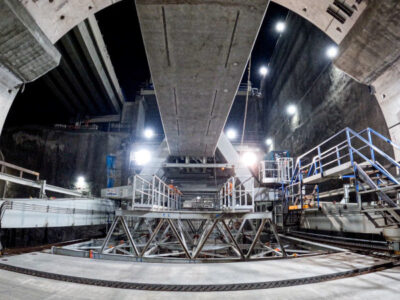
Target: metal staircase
358 156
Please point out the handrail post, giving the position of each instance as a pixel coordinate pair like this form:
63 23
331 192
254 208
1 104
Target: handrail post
320 161
338 155
168 193
350 147
300 173
153 191
252 194
233 193
370 141
133 191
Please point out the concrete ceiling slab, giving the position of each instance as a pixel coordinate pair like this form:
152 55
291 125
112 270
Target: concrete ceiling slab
197 53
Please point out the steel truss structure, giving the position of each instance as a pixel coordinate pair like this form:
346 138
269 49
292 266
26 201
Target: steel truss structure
191 236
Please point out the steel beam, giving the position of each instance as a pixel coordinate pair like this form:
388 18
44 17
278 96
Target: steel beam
256 238
109 233
233 239
199 165
273 228
194 215
128 233
179 238
156 230
204 239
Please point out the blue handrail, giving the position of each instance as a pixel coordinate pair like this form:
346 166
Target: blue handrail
317 165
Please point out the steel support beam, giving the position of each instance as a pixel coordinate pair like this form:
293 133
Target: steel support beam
153 235
128 233
179 238
199 165
256 238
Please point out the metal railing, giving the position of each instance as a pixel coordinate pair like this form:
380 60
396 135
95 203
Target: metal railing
341 154
21 171
21 178
276 171
346 146
154 195
234 196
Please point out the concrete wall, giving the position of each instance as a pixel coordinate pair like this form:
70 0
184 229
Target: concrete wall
7 94
60 156
327 99
371 54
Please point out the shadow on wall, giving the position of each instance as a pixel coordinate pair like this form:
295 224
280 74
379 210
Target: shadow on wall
326 99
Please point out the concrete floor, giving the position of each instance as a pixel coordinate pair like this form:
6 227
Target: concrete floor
177 273
379 285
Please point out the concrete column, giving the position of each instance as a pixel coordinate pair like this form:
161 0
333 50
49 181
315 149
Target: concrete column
25 53
9 86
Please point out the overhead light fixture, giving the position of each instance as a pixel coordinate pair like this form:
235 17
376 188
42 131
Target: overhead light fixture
280 26
332 52
231 134
263 71
268 141
148 133
80 182
141 157
249 158
291 109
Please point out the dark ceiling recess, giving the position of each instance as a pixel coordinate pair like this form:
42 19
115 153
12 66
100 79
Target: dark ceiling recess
266 41
72 91
68 94
120 27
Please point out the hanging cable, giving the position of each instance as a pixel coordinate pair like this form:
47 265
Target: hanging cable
246 105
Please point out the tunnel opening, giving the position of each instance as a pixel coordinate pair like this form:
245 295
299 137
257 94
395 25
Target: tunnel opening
198 132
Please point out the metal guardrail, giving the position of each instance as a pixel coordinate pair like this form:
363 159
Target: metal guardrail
276 171
38 184
233 194
154 195
4 165
341 154
345 146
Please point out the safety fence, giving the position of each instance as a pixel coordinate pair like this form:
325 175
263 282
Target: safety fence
154 194
276 171
237 194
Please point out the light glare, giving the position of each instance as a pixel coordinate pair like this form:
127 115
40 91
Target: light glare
332 52
148 133
141 157
249 158
291 109
263 71
80 182
268 141
280 27
231 134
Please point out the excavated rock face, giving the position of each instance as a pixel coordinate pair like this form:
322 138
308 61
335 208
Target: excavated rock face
327 99
61 156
